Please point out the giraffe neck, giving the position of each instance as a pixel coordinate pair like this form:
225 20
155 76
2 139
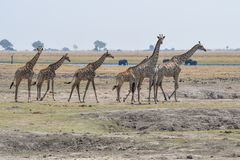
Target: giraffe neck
33 61
57 64
99 62
183 57
152 60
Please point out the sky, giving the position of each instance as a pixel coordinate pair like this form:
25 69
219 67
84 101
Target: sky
122 24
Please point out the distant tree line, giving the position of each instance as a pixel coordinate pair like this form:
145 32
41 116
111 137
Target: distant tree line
98 46
7 45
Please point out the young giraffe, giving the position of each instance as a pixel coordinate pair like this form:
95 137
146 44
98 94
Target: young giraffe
87 73
49 74
172 69
26 72
127 76
147 69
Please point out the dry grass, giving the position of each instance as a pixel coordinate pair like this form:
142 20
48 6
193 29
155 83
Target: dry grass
133 57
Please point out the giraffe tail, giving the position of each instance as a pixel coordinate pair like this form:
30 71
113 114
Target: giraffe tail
114 87
12 83
117 83
69 82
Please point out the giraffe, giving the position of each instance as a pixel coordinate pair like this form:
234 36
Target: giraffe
172 69
147 69
87 73
26 72
127 76
49 74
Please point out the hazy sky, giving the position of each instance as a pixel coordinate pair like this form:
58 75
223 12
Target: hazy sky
122 24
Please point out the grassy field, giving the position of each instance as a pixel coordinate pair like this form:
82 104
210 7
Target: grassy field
56 117
208 97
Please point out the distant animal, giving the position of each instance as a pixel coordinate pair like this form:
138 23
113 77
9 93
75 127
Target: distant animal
26 72
190 62
172 69
123 62
49 74
87 73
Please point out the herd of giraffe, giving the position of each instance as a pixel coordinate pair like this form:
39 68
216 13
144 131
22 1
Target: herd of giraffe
135 75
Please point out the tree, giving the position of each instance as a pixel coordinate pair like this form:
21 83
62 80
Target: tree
99 45
151 47
8 46
37 44
75 47
65 49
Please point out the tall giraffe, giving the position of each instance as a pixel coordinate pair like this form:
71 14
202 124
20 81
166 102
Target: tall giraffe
49 74
147 69
87 73
26 72
130 75
172 69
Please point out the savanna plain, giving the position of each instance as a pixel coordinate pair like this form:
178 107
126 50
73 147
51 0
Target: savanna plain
204 124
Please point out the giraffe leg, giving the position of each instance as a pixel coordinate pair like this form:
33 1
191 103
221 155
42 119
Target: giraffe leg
29 89
78 92
118 93
119 86
93 84
133 88
37 92
139 88
86 90
18 81
124 99
48 86
53 89
129 91
176 86
73 86
39 85
150 89
165 97
155 90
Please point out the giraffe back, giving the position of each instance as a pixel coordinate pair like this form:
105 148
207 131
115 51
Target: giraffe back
46 74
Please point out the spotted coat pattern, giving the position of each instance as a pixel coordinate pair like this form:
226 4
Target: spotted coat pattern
130 75
87 73
49 74
147 69
25 72
172 69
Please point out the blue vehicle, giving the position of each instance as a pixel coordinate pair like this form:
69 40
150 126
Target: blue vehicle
123 62
190 62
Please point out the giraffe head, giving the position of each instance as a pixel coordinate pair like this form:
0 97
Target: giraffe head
39 49
108 55
67 58
161 38
200 46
